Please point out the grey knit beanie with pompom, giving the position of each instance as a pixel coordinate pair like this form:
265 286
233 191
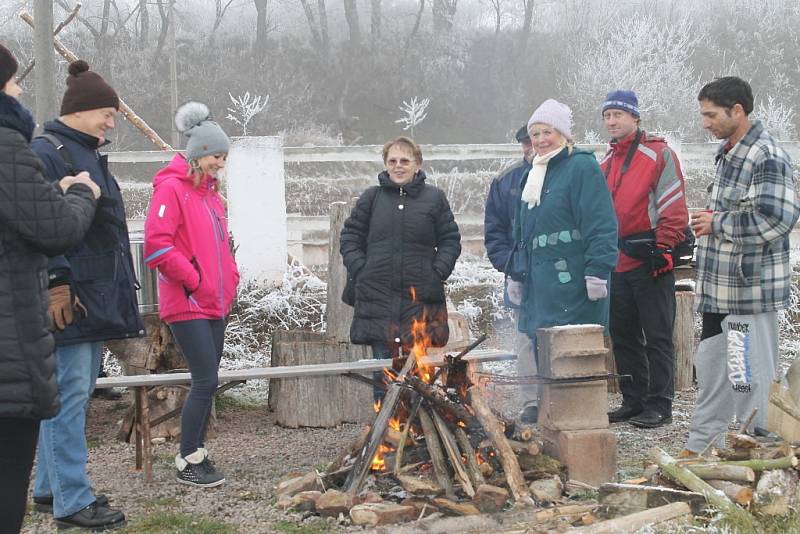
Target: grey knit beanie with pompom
205 137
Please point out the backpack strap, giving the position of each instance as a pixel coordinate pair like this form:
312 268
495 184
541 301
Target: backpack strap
62 150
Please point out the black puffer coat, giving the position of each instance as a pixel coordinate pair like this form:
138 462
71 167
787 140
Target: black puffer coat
35 220
399 245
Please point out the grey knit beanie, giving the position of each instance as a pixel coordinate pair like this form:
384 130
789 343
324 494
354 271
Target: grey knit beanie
205 137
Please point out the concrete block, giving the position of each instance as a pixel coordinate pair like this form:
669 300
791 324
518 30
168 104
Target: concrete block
581 406
571 351
589 455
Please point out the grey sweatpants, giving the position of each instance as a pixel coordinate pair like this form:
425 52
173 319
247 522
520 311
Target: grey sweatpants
525 348
734 373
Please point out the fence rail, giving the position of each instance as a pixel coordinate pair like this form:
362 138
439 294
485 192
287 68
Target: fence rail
691 153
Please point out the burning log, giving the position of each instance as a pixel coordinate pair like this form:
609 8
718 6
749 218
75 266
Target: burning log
439 400
473 469
449 442
516 483
435 450
402 445
364 460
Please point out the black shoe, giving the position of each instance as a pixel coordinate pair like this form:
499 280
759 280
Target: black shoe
623 413
529 414
44 505
197 470
650 419
109 394
94 517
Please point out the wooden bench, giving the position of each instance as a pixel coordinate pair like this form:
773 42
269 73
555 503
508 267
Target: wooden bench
229 379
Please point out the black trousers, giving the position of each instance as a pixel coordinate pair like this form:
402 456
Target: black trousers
17 449
641 324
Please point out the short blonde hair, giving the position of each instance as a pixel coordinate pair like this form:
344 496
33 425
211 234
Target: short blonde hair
403 140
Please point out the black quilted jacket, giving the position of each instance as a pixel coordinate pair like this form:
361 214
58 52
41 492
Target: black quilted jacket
35 220
399 245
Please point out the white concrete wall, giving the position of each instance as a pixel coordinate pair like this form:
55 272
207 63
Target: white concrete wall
256 195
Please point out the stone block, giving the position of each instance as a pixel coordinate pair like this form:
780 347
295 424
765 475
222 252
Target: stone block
589 455
375 514
571 351
581 406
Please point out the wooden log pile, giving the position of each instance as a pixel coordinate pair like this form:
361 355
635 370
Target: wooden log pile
436 447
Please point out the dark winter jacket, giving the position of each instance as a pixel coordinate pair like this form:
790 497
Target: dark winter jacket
35 220
99 268
399 245
501 204
571 234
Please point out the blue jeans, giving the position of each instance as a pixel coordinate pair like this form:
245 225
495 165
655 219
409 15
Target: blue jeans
62 454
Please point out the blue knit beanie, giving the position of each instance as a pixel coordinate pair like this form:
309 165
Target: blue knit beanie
622 99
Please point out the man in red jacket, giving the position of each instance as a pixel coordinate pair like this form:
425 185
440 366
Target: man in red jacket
645 180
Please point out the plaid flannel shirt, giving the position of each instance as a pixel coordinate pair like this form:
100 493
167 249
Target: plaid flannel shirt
743 266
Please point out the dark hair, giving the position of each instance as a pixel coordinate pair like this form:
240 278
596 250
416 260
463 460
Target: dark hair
408 142
727 92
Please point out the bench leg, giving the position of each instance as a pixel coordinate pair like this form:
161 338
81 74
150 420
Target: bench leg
137 425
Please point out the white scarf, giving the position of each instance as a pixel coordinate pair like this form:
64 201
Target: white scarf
532 193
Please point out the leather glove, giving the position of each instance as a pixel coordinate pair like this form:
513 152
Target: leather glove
60 306
660 261
514 290
596 288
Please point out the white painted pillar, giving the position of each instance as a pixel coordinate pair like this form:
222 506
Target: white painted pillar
256 195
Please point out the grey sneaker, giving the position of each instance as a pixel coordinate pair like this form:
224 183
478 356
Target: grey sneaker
196 470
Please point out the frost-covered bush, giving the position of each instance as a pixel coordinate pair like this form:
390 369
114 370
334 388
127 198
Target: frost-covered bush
299 303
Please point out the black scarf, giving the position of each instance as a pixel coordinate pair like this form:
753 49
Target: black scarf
15 116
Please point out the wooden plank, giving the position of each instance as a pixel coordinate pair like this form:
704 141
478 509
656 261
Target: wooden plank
683 340
294 371
623 499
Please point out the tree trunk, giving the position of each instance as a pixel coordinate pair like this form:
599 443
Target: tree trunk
526 26
351 15
376 17
144 24
323 25
338 315
444 11
260 44
44 74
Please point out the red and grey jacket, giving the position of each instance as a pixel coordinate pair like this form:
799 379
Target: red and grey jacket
649 195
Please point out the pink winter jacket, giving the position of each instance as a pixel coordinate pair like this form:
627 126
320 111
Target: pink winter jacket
186 239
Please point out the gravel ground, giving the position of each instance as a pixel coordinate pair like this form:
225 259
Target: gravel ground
254 452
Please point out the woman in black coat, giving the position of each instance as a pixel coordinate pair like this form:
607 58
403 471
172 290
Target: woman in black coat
36 220
399 245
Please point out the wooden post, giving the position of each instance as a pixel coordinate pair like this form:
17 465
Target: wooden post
45 74
137 401
144 426
683 340
338 315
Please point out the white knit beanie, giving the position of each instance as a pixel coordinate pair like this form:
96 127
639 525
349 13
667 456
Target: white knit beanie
555 114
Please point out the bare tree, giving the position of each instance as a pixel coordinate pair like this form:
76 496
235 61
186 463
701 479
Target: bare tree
526 26
319 32
444 11
144 24
376 17
497 11
351 15
260 44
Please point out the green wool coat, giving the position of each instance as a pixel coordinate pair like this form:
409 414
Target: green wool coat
572 233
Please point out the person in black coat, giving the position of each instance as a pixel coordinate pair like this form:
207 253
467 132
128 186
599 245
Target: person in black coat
36 219
399 245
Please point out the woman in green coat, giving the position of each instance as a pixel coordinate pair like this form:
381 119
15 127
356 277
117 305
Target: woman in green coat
568 226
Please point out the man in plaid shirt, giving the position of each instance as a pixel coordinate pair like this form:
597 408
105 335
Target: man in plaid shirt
743 270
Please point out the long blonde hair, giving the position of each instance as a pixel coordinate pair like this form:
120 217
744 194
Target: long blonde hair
196 174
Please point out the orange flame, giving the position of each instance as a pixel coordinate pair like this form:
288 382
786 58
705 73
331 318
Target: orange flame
479 458
376 406
394 423
378 463
422 341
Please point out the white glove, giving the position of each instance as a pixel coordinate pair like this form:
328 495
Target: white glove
596 288
514 290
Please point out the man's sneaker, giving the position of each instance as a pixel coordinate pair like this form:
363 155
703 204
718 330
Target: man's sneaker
44 505
529 414
651 419
94 517
623 413
196 470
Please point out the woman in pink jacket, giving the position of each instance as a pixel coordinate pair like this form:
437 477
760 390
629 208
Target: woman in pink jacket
186 239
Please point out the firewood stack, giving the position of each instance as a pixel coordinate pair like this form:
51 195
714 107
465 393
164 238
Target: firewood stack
436 446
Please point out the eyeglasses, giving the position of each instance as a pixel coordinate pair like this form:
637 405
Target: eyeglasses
402 162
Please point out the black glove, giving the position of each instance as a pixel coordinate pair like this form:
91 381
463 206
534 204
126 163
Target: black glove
660 261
